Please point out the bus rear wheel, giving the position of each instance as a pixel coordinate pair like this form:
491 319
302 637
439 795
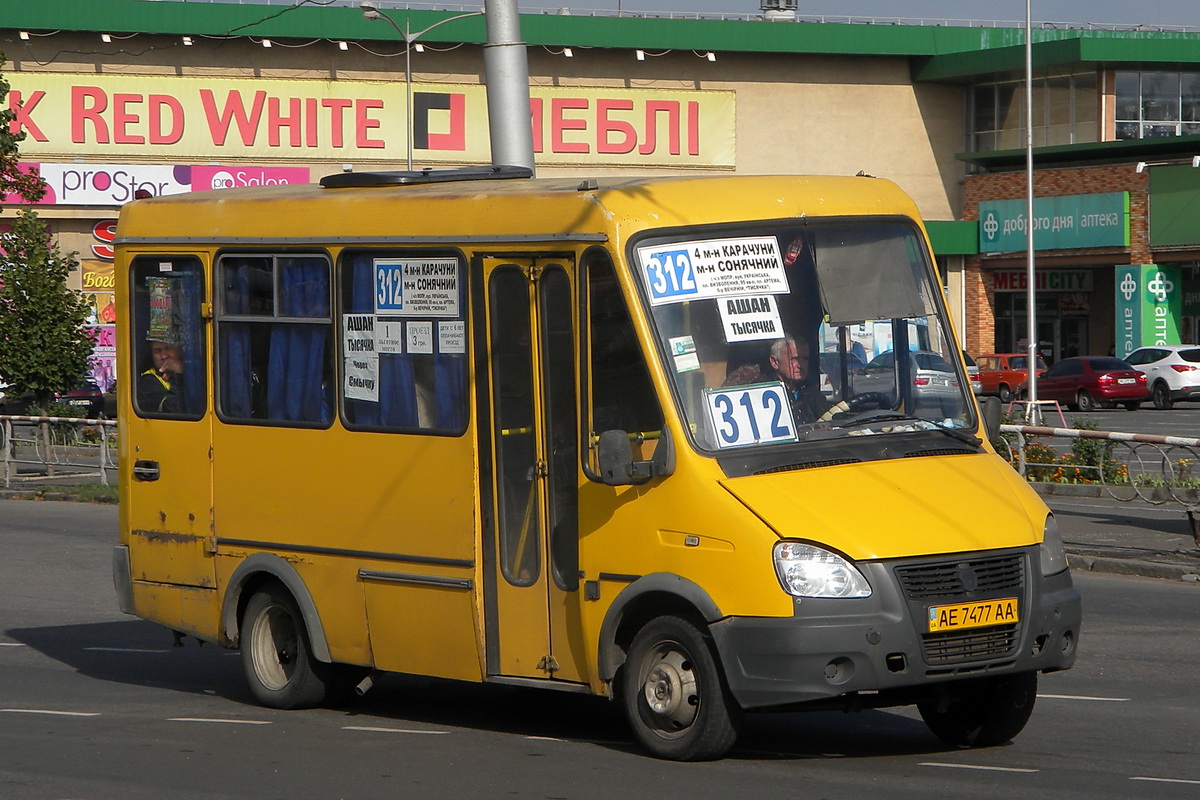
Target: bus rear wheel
277 658
674 695
983 713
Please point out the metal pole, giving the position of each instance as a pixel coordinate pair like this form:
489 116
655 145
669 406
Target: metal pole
506 67
1031 412
408 121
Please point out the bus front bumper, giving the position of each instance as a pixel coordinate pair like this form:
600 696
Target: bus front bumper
876 652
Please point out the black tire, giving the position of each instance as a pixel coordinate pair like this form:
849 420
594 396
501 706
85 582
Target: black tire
1161 395
277 658
1133 405
1084 402
1006 394
674 694
982 713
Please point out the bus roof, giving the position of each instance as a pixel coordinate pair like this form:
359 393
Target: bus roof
554 208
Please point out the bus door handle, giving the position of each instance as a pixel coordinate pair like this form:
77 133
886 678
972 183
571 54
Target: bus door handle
145 470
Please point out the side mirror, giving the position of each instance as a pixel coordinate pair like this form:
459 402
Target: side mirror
992 411
617 467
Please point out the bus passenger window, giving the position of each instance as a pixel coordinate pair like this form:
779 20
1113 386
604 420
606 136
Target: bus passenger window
404 341
274 334
169 363
622 394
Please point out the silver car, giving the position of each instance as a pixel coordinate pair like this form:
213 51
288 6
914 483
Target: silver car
934 381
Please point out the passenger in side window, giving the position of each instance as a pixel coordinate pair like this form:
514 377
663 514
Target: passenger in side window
160 388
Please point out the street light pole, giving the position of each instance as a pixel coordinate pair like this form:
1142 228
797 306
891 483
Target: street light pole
371 11
1032 413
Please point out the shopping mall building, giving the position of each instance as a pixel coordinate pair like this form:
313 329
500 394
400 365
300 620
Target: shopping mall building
117 96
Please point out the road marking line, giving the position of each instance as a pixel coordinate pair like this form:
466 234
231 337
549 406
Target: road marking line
1165 780
12 644
390 730
544 739
1084 697
123 650
227 721
48 711
975 766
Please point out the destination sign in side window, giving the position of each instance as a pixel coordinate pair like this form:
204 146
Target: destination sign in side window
416 287
711 268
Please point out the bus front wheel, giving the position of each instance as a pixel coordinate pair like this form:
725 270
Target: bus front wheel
983 713
674 695
277 658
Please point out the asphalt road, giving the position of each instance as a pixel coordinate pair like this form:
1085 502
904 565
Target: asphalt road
96 705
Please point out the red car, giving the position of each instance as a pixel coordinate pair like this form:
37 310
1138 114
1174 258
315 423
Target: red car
1002 373
1083 382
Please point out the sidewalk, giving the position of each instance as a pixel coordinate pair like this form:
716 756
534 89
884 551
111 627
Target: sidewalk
1130 549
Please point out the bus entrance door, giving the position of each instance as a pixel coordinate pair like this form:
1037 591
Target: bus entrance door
166 430
533 614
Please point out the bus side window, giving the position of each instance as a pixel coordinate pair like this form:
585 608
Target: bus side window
404 351
170 365
620 390
275 332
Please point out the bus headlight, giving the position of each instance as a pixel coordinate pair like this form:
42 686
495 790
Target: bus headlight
807 571
1054 557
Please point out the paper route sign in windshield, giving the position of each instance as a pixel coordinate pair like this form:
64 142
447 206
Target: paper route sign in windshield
711 268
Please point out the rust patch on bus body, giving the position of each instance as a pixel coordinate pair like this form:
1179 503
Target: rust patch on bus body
167 537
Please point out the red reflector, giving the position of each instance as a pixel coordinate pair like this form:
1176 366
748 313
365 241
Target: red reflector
920 381
1184 367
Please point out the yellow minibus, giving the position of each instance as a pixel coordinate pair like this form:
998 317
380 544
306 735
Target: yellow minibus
702 445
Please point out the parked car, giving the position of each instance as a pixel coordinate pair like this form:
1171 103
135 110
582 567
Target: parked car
933 376
87 398
1002 373
973 374
11 403
1082 382
1172 370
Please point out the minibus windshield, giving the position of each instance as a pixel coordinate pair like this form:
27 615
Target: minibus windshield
802 331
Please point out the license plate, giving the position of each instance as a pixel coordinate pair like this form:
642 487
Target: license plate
79 402
1126 380
973 615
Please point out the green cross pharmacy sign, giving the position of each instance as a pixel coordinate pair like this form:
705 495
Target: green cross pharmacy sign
1149 303
1060 223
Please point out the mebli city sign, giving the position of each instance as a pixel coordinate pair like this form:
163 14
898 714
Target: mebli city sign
1059 223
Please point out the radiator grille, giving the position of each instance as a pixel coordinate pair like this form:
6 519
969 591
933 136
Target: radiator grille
970 645
952 579
965 580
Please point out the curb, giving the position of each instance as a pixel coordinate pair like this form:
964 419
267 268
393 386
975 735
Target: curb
1130 566
1185 497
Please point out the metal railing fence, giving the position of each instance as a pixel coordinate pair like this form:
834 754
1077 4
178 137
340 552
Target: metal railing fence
38 449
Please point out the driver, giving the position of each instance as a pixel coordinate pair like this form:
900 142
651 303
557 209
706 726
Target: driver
788 362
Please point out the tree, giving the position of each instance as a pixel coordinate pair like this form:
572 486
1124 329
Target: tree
44 346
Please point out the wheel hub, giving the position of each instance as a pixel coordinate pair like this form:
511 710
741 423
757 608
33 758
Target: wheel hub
670 690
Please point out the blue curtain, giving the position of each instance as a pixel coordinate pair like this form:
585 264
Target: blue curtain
296 386
191 294
450 388
237 384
